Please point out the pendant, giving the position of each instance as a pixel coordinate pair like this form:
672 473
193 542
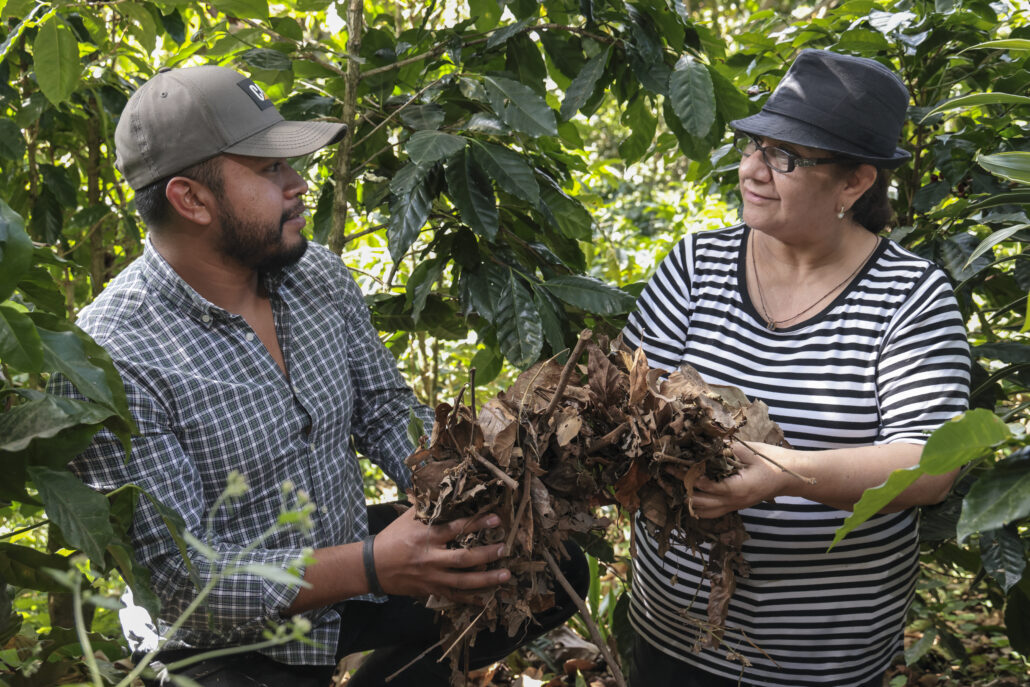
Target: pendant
772 326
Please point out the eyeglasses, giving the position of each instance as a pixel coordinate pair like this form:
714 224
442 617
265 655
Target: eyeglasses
778 159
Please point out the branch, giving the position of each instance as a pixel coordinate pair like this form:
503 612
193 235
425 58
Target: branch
566 372
584 613
342 173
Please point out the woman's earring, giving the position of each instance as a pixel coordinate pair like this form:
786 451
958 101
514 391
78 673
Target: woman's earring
840 215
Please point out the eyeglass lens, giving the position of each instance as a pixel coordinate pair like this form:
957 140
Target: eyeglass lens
775 158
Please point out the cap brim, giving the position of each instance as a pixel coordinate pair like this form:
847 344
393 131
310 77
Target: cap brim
289 139
789 130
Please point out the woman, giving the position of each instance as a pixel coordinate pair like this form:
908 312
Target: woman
858 349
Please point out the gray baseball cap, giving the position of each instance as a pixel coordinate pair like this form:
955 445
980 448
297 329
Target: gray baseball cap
184 116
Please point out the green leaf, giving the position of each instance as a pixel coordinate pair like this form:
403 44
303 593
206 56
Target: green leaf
501 35
993 240
915 652
1006 44
693 97
15 250
274 574
56 56
22 566
998 498
977 100
1017 621
521 107
428 116
416 428
140 22
1003 557
1014 166
642 125
471 192
508 169
582 87
426 147
420 284
45 416
566 214
265 58
70 351
965 438
518 323
12 141
409 208
47 218
550 321
81 513
590 294
486 13
247 9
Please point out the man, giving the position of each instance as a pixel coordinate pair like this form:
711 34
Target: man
245 350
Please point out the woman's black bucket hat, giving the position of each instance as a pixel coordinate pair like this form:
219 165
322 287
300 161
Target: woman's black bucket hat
853 106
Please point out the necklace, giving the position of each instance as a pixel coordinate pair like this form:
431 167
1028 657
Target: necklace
773 324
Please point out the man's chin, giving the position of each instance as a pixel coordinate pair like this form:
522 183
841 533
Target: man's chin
285 257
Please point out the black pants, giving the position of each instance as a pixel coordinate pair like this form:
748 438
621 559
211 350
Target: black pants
398 631
654 668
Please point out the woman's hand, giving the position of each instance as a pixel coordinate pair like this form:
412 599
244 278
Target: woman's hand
757 481
412 558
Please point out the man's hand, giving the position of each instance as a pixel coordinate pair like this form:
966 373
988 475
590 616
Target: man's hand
412 559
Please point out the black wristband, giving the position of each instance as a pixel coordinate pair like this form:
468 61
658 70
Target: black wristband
368 558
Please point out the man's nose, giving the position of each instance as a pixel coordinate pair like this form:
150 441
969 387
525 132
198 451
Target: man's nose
295 183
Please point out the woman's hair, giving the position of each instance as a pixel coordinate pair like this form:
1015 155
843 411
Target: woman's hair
152 203
873 209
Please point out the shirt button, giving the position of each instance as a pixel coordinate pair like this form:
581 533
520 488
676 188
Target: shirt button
250 336
205 318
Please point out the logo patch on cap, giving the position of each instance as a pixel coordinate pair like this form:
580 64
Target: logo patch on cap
256 94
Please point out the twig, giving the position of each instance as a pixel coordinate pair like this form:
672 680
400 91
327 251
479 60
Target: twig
584 612
472 389
500 474
608 439
521 510
462 635
414 660
566 372
806 480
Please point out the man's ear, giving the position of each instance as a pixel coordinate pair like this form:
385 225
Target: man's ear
192 200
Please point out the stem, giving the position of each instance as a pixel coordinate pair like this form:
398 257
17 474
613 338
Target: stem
414 660
807 480
497 472
566 372
343 172
584 613
83 635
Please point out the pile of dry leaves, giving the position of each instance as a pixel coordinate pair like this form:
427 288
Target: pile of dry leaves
562 441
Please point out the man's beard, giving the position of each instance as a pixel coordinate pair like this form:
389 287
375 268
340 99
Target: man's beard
260 246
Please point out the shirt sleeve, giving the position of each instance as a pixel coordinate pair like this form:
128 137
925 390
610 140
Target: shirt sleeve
924 366
661 320
383 400
241 603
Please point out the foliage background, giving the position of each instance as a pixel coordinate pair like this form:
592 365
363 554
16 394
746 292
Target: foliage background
513 172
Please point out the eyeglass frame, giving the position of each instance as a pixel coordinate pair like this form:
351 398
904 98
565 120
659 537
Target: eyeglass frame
793 160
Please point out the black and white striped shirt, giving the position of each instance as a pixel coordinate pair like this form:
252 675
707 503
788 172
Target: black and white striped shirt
886 361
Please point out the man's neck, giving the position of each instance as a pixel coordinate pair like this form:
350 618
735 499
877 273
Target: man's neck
223 282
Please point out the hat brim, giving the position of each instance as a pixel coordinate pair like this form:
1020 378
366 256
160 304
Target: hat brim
289 139
790 130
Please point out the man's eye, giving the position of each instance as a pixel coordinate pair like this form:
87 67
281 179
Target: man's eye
274 167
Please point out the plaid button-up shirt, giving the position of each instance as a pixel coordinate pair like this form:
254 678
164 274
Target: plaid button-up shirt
209 400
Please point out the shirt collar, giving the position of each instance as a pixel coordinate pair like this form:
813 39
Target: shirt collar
170 286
